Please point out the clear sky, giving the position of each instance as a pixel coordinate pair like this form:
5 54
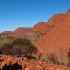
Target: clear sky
26 13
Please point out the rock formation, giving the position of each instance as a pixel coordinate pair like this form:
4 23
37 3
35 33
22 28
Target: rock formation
22 30
58 37
41 27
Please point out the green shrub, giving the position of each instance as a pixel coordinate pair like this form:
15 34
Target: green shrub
19 47
68 55
30 48
6 48
68 63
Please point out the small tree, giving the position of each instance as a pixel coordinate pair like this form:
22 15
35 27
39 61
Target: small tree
23 46
30 48
19 47
6 48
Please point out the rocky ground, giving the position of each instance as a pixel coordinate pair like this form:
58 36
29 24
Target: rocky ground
13 63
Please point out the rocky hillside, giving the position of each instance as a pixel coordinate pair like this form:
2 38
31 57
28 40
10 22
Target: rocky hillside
42 27
9 37
13 63
34 36
22 30
58 37
53 35
7 32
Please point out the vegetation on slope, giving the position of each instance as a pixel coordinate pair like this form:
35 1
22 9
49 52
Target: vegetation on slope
19 47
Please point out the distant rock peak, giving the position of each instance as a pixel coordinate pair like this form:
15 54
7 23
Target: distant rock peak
68 12
22 30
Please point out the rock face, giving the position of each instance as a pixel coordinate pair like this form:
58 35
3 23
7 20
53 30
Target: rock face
13 63
22 30
41 27
58 37
55 19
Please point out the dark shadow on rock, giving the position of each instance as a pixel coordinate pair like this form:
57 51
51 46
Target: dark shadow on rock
13 67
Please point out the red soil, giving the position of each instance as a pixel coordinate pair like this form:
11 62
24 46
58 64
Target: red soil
58 37
13 63
22 30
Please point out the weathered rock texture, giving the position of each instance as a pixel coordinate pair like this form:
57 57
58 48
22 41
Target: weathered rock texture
42 27
22 30
13 63
58 37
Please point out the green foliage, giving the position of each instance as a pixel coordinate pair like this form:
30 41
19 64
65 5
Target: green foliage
68 54
19 47
18 42
31 48
9 37
68 63
6 48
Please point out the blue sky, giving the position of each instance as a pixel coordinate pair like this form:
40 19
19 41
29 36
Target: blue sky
26 13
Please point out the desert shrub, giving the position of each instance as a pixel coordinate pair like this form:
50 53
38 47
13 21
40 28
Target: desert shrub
52 57
6 48
30 48
27 48
18 42
19 47
17 50
68 55
68 63
55 57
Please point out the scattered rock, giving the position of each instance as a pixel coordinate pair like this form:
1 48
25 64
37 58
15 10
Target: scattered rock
10 63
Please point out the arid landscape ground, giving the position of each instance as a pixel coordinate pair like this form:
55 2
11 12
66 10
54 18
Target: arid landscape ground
13 63
52 37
